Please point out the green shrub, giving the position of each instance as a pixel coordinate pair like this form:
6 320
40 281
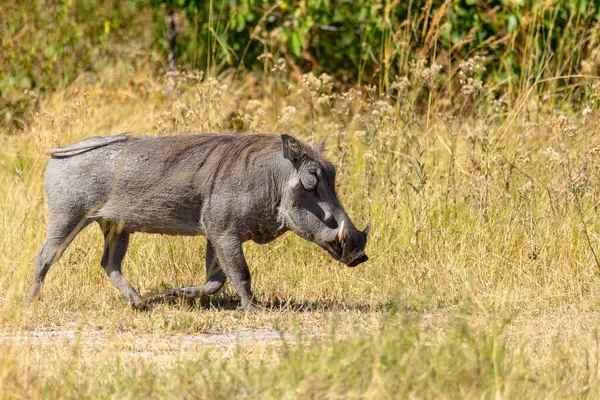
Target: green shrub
47 44
373 41
521 44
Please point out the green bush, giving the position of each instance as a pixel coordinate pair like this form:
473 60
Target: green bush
47 44
373 41
552 46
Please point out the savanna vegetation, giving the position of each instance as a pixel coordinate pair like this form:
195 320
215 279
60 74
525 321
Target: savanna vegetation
467 132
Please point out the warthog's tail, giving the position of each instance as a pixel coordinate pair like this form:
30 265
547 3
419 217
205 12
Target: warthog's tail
86 145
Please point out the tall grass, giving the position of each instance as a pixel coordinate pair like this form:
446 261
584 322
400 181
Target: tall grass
478 209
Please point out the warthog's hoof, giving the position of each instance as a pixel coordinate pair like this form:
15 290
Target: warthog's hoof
140 305
252 307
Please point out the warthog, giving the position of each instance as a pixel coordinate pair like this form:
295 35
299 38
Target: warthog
231 188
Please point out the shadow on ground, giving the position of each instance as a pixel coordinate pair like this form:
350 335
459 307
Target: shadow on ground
222 302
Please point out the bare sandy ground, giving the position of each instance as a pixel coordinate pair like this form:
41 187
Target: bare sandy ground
146 344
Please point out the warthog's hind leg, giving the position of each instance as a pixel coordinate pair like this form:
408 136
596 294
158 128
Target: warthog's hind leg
61 231
115 247
215 278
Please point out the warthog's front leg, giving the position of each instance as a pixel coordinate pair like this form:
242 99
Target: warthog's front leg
231 258
215 278
115 247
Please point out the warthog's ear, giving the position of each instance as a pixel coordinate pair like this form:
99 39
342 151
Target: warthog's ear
292 149
319 147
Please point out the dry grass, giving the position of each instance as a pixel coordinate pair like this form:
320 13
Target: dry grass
481 279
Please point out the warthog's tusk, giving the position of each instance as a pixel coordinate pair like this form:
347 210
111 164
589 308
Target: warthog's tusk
367 228
342 233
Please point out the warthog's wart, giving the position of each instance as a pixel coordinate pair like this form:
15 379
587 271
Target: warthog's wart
231 188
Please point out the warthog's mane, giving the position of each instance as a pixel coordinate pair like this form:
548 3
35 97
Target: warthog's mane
218 155
234 149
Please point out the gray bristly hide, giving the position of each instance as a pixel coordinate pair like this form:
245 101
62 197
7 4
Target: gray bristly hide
230 188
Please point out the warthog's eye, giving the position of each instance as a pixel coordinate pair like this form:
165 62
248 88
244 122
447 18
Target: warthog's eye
310 180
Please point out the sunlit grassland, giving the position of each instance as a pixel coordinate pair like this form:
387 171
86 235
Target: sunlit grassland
481 279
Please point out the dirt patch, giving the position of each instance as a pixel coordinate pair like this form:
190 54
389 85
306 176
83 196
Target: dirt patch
150 344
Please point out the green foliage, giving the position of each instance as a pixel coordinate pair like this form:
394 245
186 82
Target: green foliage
48 44
373 40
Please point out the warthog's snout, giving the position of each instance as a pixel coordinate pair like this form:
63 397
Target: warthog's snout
349 245
358 260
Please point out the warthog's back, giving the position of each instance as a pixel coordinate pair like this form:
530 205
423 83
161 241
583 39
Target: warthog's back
153 184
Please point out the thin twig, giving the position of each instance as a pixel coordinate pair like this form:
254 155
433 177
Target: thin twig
585 230
172 34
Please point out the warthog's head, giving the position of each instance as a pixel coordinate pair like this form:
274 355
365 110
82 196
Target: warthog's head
311 209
